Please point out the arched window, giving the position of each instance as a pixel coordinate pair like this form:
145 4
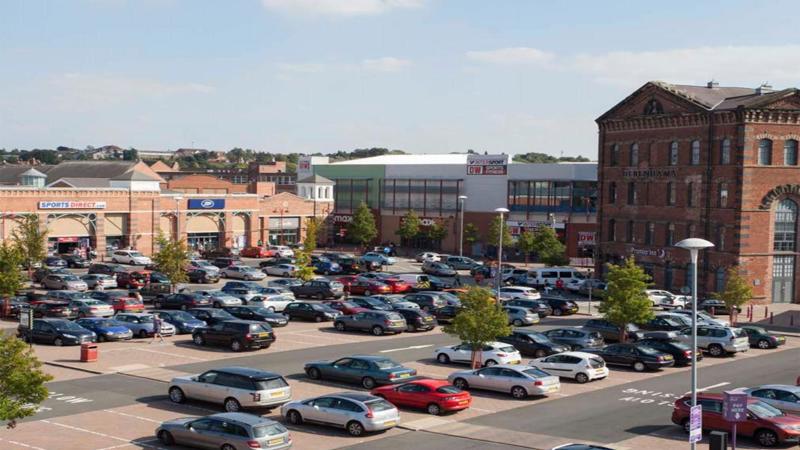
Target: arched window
695 153
634 155
785 226
719 279
673 153
612 192
725 152
614 154
765 152
790 152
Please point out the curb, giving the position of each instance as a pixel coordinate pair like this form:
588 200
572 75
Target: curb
79 369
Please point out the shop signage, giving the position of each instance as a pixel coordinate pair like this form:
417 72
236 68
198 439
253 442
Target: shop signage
656 252
649 173
286 223
342 218
487 164
425 221
72 205
586 237
734 406
534 224
304 165
206 203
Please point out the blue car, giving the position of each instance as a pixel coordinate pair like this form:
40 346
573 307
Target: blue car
106 329
183 322
374 257
327 267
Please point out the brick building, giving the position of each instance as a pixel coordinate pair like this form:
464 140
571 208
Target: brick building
719 163
274 172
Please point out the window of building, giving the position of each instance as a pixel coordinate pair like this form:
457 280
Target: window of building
614 155
723 195
631 193
695 153
669 275
612 192
649 233
790 152
629 236
671 193
435 197
719 279
725 152
673 153
785 226
690 194
612 230
670 236
720 238
634 155
765 152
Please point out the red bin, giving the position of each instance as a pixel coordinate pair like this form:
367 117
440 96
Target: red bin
88 352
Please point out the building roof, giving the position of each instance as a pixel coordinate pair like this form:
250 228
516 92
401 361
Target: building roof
89 169
80 182
161 166
33 173
135 175
316 179
430 158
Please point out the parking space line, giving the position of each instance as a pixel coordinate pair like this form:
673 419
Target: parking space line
146 419
175 355
21 444
116 438
707 388
142 442
489 411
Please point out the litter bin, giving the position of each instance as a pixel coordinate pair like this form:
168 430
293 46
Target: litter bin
88 352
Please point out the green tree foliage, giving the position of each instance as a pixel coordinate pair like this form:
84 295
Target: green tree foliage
480 321
625 299
312 230
494 233
543 158
363 153
130 155
526 243
737 292
305 271
437 232
362 229
22 380
471 234
11 279
550 250
409 226
31 240
172 258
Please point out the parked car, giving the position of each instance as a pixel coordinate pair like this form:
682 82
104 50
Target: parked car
538 306
183 322
395 301
356 412
767 425
715 307
77 262
423 282
520 317
573 285
434 396
561 307
326 266
89 307
211 316
427 256
225 261
533 343
130 257
366 370
610 331
203 276
57 332
181 300
106 329
549 276
109 296
282 251
417 320
64 281
202 264
681 352
53 309
782 396
492 353
236 334
518 380
54 261
228 431
141 324
461 262
344 306
41 273
580 366
427 301
378 258
280 270
310 311
438 269
235 388
242 273
285 283
717 341
367 286
596 287
375 322
319 289
258 314
662 323
256 252
446 314
370 303
665 299
221 299
99 281
106 269
761 338
638 357
703 318
575 338
520 292
133 279
67 296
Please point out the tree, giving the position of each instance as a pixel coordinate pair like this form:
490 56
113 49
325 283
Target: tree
550 250
172 258
312 230
494 233
437 232
409 226
737 292
362 229
30 239
130 154
543 158
481 320
10 276
625 299
22 380
526 243
471 235
305 271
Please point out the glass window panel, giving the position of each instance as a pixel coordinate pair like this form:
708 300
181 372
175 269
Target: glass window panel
785 226
790 152
765 152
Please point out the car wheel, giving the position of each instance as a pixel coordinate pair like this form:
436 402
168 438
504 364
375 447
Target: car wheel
227 447
581 378
766 438
377 330
142 334
157 304
339 326
715 350
639 366
517 323
294 417
184 307
539 354
686 425
314 373
368 382
317 319
367 293
461 383
176 395
232 405
434 409
763 344
355 429
166 437
320 296
236 346
442 358
490 363
217 305
412 327
101 338
557 312
58 342
199 339
519 392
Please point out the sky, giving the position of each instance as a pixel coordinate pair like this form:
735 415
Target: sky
424 76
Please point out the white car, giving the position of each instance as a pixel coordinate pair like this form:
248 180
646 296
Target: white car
280 270
492 353
580 366
130 257
574 285
242 273
519 292
782 396
666 299
282 251
428 256
272 303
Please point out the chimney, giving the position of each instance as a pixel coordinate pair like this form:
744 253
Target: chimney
765 88
712 84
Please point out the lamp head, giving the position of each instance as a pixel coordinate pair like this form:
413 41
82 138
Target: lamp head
462 197
501 210
694 244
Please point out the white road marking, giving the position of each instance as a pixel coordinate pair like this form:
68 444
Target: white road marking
172 354
483 410
116 438
413 347
713 386
146 419
21 444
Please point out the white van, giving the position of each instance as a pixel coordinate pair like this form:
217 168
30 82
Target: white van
549 275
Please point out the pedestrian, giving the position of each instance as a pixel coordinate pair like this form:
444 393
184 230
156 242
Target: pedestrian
137 295
478 278
157 328
547 287
560 286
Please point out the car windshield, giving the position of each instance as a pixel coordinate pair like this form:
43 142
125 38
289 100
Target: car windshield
536 373
386 364
394 316
594 335
66 325
261 431
70 278
379 405
538 338
108 323
764 410
349 305
92 302
757 330
270 383
260 310
204 264
507 349
449 297
219 314
144 319
449 390
739 333
136 254
181 315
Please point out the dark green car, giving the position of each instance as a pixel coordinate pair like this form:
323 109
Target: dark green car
368 371
761 338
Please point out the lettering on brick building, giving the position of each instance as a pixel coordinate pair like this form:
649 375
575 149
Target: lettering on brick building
650 173
657 252
779 192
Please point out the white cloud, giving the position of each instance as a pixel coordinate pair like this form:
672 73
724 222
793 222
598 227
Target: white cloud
339 7
748 65
512 55
385 64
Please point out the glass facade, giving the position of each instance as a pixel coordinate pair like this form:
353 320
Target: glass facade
426 196
350 193
552 196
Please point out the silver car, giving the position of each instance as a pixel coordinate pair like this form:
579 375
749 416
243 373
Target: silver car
91 308
242 273
519 381
285 282
782 396
234 388
97 280
519 317
221 299
141 324
717 341
356 412
225 431
64 281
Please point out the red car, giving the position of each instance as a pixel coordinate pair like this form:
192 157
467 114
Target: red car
434 396
344 306
256 252
398 286
347 281
367 286
127 305
133 280
767 425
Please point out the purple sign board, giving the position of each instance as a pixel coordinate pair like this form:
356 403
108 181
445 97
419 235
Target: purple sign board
734 406
695 423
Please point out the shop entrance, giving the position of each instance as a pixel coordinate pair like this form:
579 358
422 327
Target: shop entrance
203 231
203 241
69 245
70 233
284 231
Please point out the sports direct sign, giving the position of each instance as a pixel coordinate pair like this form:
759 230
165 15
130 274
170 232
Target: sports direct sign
487 164
72 205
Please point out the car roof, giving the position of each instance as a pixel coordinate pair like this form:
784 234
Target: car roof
135 314
247 372
368 357
243 418
357 396
580 354
52 320
785 387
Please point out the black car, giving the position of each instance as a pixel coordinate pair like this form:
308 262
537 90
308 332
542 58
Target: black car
42 272
348 263
561 307
532 343
259 314
202 276
158 277
370 303
540 307
106 269
715 307
426 301
15 304
319 288
54 309
446 314
183 322
225 261
417 320
310 311
681 352
662 324
640 358
54 261
761 338
77 262
610 331
237 334
211 316
182 301
437 284
57 332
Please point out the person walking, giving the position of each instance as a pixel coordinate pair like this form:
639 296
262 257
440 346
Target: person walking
157 328
560 286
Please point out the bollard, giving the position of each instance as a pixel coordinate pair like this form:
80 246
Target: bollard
791 320
771 318
752 312
766 309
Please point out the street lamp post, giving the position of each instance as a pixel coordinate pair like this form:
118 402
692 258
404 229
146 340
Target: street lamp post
694 245
461 199
502 233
